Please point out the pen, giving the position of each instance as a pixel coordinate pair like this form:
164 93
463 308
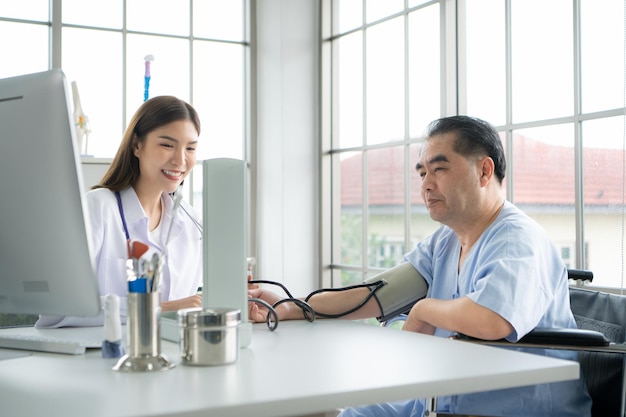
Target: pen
138 285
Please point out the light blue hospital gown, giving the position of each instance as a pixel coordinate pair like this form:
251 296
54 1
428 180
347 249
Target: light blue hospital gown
514 270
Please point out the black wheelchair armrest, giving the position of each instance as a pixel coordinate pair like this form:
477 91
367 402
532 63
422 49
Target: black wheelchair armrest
569 337
580 274
553 337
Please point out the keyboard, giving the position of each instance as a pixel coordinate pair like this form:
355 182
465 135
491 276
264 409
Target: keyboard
71 341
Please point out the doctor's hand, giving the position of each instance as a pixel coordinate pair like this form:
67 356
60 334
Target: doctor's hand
187 302
258 313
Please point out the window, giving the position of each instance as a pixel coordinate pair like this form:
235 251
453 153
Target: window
386 85
200 49
549 76
201 53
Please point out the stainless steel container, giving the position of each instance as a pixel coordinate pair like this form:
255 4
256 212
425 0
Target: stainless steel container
144 341
209 336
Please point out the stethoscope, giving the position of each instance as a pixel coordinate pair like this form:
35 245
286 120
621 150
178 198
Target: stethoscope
176 205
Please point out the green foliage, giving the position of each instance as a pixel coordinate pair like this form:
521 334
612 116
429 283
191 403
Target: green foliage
352 244
351 239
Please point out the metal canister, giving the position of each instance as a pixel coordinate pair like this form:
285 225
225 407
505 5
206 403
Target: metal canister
209 336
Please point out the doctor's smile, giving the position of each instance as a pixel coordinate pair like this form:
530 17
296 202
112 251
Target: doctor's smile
174 175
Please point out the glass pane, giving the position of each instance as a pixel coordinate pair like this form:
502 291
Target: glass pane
602 55
192 187
169 72
421 224
385 197
158 16
25 9
349 277
542 55
32 38
348 90
102 13
347 14
99 85
424 69
350 231
543 178
218 19
413 3
385 82
603 149
377 9
485 43
219 98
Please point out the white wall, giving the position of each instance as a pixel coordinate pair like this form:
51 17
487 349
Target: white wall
287 146
93 170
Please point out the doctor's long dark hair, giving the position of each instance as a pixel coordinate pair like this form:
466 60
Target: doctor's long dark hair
152 114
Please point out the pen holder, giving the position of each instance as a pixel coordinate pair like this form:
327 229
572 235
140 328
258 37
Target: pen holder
144 339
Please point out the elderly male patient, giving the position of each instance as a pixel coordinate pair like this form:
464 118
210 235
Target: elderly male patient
491 271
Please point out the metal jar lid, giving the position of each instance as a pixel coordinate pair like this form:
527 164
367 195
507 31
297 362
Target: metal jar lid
208 317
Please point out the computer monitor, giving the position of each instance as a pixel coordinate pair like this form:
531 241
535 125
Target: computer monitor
46 265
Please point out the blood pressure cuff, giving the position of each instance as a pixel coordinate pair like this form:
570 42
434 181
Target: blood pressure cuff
404 286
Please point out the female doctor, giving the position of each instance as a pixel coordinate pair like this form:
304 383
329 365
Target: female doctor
133 202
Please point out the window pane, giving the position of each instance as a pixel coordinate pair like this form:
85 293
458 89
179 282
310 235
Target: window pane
377 9
218 19
102 13
25 9
543 178
385 82
158 16
99 85
413 3
602 55
603 147
169 71
542 55
349 234
385 196
348 277
424 69
348 90
421 224
28 55
347 14
486 61
219 98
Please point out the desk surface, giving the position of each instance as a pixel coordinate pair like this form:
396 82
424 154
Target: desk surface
301 368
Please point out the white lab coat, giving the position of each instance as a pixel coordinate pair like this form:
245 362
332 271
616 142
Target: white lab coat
182 272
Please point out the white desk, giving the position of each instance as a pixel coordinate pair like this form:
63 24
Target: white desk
301 368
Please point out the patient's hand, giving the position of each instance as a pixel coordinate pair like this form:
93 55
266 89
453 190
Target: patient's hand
418 326
187 302
415 323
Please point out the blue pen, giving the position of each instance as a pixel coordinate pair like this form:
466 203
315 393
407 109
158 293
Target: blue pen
138 285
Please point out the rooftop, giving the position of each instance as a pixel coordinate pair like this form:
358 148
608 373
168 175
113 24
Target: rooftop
543 174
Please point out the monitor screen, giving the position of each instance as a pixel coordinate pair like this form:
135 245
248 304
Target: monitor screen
46 264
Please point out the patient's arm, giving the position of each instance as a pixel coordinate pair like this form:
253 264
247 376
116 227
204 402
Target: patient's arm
326 303
461 315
